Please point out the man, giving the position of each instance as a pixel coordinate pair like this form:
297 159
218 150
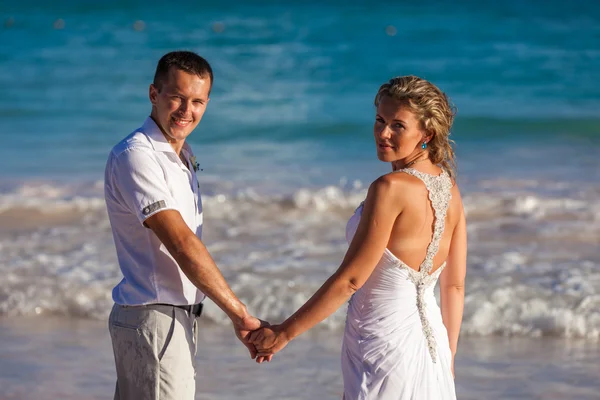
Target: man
153 202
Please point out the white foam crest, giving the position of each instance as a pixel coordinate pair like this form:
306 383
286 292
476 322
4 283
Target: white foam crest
527 205
327 198
48 198
25 295
514 294
515 311
317 200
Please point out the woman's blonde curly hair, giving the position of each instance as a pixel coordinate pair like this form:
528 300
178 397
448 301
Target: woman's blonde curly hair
432 109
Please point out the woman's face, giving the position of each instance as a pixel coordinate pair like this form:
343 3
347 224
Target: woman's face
396 130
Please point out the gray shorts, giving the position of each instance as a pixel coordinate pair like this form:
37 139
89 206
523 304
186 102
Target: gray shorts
154 348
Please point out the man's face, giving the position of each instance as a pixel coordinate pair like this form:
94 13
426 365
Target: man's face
179 104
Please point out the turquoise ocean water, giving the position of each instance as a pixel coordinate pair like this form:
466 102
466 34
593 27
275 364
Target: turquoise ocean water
287 149
297 78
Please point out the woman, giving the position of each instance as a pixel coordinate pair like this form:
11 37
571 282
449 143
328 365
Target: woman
409 232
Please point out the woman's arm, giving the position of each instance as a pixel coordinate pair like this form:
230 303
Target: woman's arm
380 210
452 283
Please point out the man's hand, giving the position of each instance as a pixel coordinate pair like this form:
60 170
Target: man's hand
268 341
243 328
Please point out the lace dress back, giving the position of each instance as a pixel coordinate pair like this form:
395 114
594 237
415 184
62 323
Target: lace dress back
395 343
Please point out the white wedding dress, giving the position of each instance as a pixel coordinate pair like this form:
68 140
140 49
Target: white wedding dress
395 344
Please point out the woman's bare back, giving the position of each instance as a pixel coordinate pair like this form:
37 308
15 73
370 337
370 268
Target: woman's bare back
413 229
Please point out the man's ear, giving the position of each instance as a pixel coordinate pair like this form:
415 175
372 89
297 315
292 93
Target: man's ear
152 93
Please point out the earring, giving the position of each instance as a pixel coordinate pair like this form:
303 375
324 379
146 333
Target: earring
424 145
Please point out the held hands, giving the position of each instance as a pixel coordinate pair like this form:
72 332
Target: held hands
261 339
268 341
243 328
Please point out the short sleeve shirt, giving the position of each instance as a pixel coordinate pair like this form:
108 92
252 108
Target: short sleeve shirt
145 176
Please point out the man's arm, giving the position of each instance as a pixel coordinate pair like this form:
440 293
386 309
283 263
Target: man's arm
197 264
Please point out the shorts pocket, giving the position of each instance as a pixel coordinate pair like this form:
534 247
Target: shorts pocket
132 318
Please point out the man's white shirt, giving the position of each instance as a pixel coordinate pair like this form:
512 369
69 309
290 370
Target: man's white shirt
144 176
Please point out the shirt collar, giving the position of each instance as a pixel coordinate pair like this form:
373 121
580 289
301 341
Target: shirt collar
158 140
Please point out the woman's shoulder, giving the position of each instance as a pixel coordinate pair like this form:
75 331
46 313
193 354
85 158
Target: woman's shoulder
393 180
394 186
399 180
